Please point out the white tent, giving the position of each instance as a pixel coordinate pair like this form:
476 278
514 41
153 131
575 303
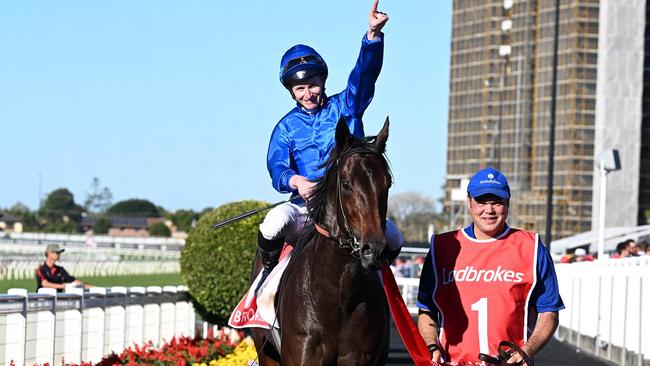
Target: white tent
613 236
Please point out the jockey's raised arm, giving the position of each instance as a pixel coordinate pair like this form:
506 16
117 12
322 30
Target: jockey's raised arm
303 139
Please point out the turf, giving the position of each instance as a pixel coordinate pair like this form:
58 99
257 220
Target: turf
127 281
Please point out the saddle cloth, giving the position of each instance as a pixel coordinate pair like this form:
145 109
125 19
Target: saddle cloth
253 311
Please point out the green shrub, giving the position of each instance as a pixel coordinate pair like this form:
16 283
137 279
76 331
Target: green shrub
216 265
159 229
102 225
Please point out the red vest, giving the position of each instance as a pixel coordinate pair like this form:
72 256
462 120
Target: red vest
482 290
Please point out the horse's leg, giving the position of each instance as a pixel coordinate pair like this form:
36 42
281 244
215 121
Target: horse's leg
266 353
310 350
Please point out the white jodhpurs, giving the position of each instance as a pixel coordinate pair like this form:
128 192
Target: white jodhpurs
284 220
288 220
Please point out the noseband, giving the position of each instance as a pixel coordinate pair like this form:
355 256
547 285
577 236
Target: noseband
349 240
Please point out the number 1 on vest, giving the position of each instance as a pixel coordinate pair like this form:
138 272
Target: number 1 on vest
481 306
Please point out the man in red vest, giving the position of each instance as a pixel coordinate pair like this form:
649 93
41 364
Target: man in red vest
487 283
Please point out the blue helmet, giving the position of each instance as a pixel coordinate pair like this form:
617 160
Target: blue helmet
299 63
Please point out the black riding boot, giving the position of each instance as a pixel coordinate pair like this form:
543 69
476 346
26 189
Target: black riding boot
270 252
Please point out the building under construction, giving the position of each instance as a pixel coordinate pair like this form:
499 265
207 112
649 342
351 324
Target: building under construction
500 106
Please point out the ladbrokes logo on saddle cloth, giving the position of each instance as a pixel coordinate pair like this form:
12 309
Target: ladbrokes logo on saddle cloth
259 312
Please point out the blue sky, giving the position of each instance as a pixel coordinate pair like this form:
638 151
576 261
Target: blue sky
174 101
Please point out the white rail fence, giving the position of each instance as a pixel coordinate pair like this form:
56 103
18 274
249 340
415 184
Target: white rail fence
26 270
95 241
607 307
49 327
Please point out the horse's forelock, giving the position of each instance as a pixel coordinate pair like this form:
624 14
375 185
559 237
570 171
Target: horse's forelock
319 194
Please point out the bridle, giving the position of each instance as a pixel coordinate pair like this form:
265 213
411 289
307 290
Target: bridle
349 240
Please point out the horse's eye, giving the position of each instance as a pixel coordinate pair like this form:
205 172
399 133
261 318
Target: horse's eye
346 185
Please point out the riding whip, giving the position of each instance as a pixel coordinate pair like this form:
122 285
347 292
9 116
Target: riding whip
250 213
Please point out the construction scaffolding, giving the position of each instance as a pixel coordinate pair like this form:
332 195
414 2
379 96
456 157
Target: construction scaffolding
499 104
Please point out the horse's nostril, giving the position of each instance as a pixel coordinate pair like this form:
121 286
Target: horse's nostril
367 252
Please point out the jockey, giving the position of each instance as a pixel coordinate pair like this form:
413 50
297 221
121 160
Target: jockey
301 142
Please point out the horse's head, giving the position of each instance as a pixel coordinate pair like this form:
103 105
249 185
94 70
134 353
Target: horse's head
351 199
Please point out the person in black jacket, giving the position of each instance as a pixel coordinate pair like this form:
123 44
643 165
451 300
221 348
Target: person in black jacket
49 275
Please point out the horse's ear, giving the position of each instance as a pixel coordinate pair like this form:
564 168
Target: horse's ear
382 136
343 136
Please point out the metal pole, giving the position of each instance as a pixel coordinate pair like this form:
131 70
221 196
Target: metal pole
551 140
515 167
601 212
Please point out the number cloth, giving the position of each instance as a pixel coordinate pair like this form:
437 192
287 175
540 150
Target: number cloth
487 291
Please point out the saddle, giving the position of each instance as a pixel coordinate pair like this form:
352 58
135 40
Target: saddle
505 351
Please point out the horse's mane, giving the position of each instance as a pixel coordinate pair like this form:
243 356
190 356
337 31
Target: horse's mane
318 198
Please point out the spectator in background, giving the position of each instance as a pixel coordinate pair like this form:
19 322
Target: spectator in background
49 275
396 267
622 250
406 269
581 255
633 247
645 248
416 267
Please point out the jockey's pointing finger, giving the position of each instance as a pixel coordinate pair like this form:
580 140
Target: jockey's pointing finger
373 12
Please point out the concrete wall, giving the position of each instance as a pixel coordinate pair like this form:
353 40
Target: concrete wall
618 106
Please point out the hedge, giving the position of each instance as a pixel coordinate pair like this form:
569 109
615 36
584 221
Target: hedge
216 265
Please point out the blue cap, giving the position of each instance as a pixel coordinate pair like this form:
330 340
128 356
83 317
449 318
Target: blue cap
489 181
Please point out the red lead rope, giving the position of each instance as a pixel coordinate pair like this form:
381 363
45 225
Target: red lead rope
407 329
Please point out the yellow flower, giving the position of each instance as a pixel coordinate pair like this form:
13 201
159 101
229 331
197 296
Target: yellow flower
243 354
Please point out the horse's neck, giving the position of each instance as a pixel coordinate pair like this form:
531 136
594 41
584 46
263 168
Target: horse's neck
342 273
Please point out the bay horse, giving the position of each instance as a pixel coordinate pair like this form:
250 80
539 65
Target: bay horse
330 303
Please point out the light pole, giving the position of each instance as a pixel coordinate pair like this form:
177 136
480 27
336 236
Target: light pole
608 161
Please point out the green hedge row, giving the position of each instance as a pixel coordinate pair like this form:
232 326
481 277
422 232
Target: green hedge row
216 265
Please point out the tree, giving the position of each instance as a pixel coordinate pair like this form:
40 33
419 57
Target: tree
59 207
134 208
413 212
159 229
18 209
102 225
98 199
183 219
27 217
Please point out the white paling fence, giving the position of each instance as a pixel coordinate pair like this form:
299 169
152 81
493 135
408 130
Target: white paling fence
408 287
95 241
84 326
607 306
26 269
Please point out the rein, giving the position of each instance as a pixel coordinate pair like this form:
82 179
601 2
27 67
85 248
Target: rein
350 241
